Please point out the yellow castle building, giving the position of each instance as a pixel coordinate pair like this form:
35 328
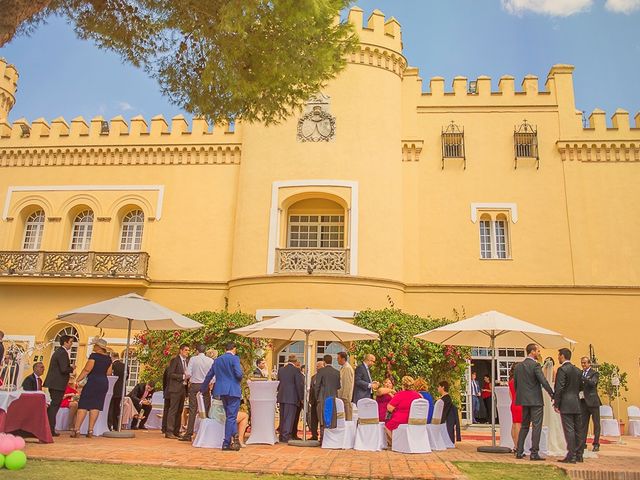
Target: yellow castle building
383 188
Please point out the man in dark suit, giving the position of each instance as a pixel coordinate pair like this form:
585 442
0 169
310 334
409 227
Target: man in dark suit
229 373
312 413
363 385
58 378
117 369
529 381
166 399
177 390
33 382
140 396
449 412
327 386
567 402
590 404
290 396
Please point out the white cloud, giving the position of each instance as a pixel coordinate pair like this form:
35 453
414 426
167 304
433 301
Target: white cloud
622 6
559 8
125 106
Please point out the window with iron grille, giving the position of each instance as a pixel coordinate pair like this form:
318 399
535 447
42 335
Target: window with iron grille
525 142
453 143
33 230
82 230
494 241
132 228
316 231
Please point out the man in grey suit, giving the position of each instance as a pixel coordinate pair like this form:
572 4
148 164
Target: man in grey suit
327 386
364 386
590 404
529 382
567 402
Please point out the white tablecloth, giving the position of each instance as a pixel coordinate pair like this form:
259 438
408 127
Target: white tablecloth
263 411
7 398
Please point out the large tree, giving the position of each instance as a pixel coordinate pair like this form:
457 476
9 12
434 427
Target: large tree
256 60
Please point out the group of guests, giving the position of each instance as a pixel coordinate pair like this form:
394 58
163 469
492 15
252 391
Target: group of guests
574 399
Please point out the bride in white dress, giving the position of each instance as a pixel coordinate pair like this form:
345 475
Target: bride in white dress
556 444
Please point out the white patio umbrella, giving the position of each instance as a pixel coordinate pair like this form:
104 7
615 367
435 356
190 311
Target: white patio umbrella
494 330
306 325
130 311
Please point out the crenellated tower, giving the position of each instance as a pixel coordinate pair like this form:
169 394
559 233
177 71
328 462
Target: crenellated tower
8 86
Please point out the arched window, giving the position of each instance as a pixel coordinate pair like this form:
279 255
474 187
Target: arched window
132 227
494 236
82 230
33 231
322 348
296 348
71 331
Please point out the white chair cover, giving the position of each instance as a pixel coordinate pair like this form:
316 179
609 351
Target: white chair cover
413 437
211 430
370 435
609 426
343 436
354 412
633 413
434 430
441 424
154 422
62 419
101 423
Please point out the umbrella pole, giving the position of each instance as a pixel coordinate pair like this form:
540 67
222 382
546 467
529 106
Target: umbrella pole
304 442
493 448
118 433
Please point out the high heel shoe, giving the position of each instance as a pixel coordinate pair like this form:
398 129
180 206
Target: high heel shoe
90 434
74 433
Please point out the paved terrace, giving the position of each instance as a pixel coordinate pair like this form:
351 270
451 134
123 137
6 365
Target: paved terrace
151 448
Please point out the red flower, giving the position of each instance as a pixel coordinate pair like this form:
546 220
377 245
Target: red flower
384 359
390 354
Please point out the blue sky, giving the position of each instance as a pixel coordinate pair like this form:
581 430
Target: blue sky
63 76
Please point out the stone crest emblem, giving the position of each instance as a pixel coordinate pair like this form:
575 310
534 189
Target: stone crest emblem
317 124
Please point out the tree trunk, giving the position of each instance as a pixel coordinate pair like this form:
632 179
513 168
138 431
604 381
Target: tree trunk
15 13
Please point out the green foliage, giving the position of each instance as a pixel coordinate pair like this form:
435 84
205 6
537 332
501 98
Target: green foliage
156 347
256 60
606 373
398 353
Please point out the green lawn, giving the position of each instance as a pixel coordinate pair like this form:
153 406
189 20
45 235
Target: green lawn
509 471
59 470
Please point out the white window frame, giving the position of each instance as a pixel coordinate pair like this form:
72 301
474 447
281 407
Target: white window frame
131 231
498 239
33 230
314 225
82 231
73 332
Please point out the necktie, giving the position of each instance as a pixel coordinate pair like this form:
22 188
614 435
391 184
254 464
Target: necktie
39 380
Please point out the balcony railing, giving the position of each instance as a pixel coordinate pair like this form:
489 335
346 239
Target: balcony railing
312 260
75 264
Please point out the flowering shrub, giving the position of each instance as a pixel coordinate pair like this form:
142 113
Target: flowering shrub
156 347
399 353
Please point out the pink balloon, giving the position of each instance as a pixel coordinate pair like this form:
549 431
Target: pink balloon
18 443
6 445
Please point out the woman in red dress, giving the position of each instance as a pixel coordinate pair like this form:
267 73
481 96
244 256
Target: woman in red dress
516 410
400 405
384 394
70 399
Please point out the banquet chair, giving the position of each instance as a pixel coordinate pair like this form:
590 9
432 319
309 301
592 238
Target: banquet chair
434 430
412 437
442 424
609 426
154 422
354 413
101 423
211 431
633 413
127 413
343 436
370 435
62 419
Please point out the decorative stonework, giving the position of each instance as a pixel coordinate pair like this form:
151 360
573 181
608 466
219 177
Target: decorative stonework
376 56
312 260
411 150
54 219
317 124
103 219
602 152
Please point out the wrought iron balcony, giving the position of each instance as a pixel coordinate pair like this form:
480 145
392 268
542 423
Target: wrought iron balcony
312 260
75 264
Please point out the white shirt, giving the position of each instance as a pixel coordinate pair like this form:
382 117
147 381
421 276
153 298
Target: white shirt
198 368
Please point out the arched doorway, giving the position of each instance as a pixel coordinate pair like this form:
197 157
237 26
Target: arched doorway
71 331
322 348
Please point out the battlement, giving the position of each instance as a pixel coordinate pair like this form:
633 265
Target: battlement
98 131
378 31
481 86
8 87
619 120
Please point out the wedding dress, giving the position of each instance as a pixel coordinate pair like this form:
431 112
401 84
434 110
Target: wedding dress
556 444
